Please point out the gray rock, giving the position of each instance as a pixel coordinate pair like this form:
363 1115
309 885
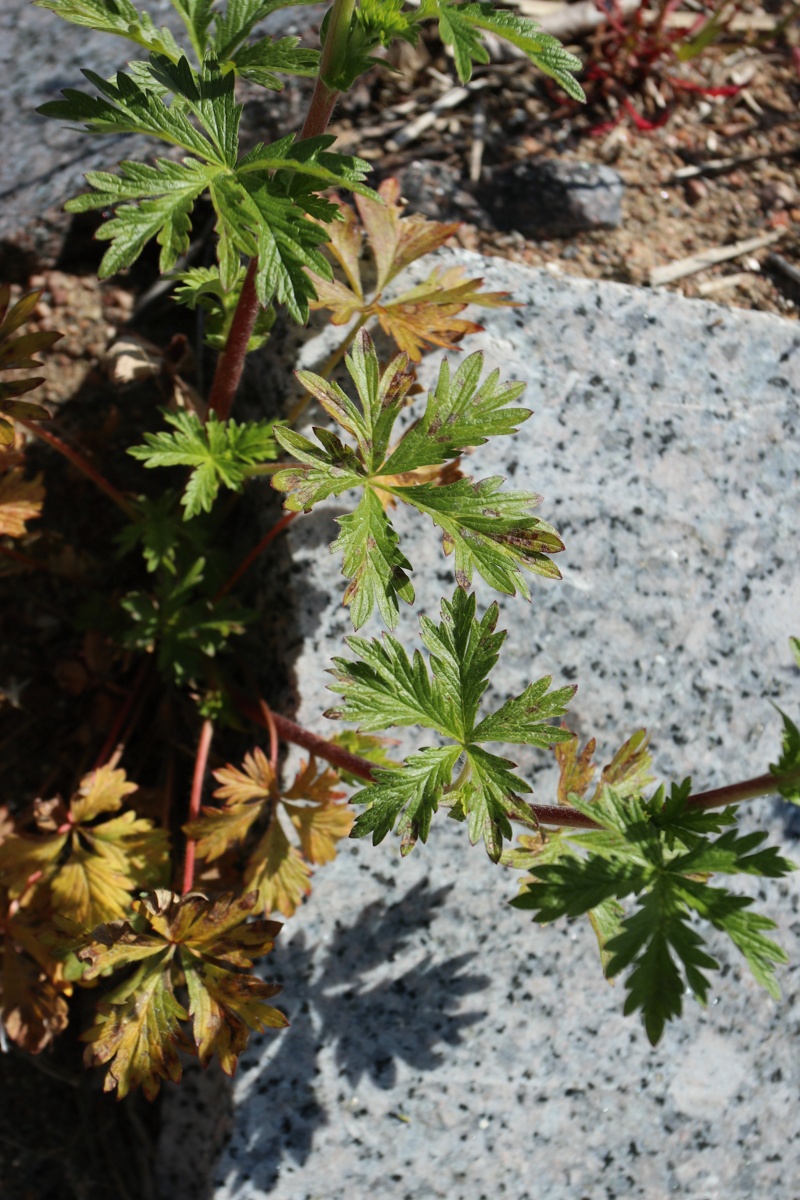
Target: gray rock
441 1045
553 197
437 191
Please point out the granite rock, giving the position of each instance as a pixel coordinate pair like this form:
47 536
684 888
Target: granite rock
552 197
442 1045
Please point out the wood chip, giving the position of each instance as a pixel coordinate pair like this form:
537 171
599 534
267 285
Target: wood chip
718 166
710 286
414 129
708 258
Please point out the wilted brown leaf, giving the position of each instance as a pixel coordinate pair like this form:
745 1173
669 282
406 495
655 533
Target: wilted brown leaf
422 316
21 500
34 1009
576 769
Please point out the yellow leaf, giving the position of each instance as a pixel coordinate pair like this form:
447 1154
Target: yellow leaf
134 846
88 889
424 315
137 1031
320 828
218 928
26 861
342 302
277 870
100 791
217 829
311 783
116 944
21 500
395 240
255 782
628 773
223 1006
345 245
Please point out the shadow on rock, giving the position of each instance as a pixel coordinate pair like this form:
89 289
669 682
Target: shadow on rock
348 1001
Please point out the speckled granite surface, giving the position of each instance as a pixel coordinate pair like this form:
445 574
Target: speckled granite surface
441 1044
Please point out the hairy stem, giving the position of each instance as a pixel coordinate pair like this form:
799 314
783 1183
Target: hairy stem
231 362
748 789
541 814
77 460
200 763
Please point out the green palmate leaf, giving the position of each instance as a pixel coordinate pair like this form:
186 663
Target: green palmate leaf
166 193
461 26
261 202
129 108
460 412
372 562
219 453
383 687
265 60
209 96
122 18
661 852
414 790
265 222
789 761
197 17
491 531
520 719
383 21
239 18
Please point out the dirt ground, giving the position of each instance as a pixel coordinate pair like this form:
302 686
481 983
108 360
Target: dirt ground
716 169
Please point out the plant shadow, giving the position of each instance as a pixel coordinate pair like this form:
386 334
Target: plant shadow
348 1002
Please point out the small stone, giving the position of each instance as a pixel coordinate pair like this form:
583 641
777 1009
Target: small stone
550 197
436 190
696 191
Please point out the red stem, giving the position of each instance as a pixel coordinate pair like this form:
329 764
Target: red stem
231 361
81 463
269 718
200 763
247 563
748 789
